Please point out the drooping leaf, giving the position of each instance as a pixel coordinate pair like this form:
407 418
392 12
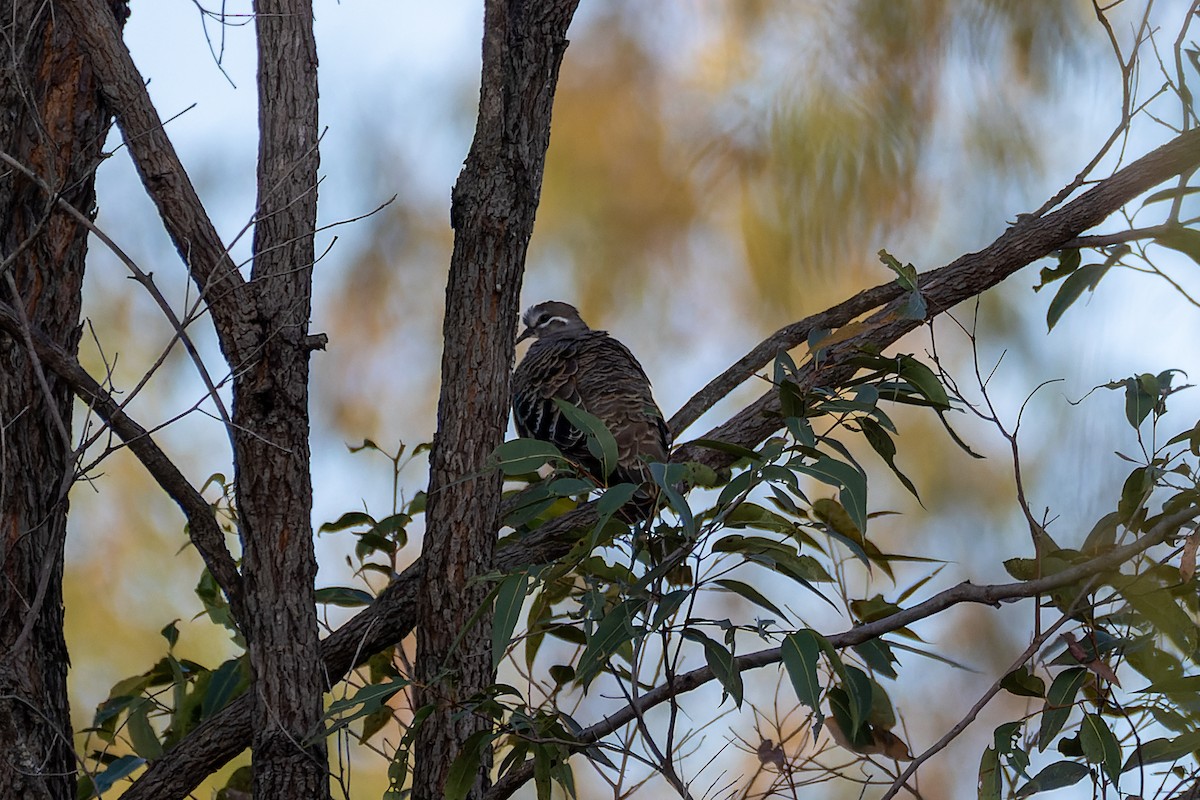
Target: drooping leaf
721 662
521 456
1058 775
1100 746
881 442
879 657
1087 277
923 379
666 476
1181 239
1059 702
141 734
750 593
991 779
860 691
461 775
800 652
510 597
227 681
119 769
851 481
1068 262
600 440
614 630
1158 751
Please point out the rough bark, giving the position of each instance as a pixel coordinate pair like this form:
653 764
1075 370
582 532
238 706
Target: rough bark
53 121
492 211
271 418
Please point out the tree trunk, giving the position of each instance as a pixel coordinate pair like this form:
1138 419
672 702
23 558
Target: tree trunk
271 418
54 123
492 212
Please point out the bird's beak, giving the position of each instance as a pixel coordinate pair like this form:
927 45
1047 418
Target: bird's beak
525 334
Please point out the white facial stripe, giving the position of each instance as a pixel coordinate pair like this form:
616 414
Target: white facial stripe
548 320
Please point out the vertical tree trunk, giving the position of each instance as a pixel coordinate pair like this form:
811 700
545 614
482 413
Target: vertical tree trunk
53 121
271 417
492 212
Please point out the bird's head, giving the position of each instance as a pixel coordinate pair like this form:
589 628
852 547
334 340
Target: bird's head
550 319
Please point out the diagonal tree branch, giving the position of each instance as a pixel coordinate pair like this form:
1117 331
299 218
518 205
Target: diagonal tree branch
163 175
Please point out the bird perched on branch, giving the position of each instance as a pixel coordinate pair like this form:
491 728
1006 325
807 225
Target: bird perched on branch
591 370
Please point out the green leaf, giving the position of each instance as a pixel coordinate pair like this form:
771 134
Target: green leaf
750 593
1134 493
1186 684
141 734
800 651
1158 605
351 519
777 556
371 699
751 515
666 476
721 662
727 447
613 631
601 442
1100 746
462 773
374 722
1058 775
878 655
1060 700
881 442
668 604
857 685
171 633
1021 683
1182 240
1157 751
914 306
509 599
119 769
1141 397
1068 262
392 524
1083 278
906 274
227 681
344 596
923 379
851 481
990 776
1007 741
613 499
521 456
